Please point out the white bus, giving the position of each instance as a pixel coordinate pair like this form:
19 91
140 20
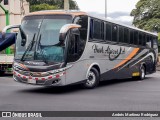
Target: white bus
58 48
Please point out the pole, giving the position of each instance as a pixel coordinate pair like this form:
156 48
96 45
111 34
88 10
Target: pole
66 4
8 50
105 9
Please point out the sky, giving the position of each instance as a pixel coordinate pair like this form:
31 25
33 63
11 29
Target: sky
117 10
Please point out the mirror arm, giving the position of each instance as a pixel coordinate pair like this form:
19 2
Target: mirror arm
7 28
65 29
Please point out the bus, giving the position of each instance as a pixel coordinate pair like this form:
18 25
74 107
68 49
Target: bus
58 48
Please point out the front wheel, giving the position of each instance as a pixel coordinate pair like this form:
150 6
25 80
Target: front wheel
92 79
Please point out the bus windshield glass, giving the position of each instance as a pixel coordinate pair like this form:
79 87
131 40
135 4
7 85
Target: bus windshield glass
42 39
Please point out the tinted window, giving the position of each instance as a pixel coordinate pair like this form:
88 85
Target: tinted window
151 40
155 43
83 21
108 31
135 37
91 29
114 32
97 30
102 30
131 37
148 41
126 35
140 38
121 32
144 39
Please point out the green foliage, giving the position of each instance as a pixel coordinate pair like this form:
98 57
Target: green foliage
37 5
147 15
159 42
42 7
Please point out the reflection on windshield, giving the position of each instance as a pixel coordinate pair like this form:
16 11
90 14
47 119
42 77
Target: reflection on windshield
51 53
46 46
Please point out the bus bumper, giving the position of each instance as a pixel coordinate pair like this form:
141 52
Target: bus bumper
57 81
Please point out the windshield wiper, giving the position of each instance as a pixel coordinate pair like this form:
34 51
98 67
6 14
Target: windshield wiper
30 46
42 53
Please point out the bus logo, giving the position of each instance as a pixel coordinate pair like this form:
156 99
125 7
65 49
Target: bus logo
110 52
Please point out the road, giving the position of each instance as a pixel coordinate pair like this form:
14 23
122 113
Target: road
113 95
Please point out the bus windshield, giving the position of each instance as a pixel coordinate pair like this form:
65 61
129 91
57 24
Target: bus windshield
42 39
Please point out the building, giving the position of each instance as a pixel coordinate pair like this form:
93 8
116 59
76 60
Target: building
17 9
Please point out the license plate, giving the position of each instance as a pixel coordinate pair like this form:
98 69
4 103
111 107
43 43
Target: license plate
32 81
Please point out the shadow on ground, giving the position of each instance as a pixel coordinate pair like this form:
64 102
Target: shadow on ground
74 88
6 75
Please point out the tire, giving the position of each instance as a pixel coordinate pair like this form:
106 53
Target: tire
142 73
93 79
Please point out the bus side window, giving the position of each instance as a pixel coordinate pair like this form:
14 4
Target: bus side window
144 39
131 37
135 37
91 29
151 39
97 29
148 43
114 32
155 43
108 32
83 21
126 35
73 48
102 30
121 34
140 38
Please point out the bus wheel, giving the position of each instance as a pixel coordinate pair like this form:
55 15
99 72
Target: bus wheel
142 73
92 79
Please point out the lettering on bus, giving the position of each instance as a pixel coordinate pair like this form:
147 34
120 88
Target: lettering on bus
108 51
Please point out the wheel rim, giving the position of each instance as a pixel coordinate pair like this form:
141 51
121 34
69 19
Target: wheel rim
91 78
143 73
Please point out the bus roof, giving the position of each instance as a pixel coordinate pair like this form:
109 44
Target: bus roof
77 13
57 12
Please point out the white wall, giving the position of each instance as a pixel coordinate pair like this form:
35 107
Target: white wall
15 11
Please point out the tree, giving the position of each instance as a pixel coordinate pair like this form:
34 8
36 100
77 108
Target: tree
42 7
36 5
147 15
159 41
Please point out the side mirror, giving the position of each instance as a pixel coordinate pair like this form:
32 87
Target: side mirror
8 28
65 29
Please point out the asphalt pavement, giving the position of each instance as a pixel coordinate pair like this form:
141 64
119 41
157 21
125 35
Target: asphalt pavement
113 95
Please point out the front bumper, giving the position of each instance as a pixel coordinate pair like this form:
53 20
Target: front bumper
54 80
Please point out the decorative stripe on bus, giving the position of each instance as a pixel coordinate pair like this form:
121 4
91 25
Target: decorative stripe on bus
129 57
150 54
